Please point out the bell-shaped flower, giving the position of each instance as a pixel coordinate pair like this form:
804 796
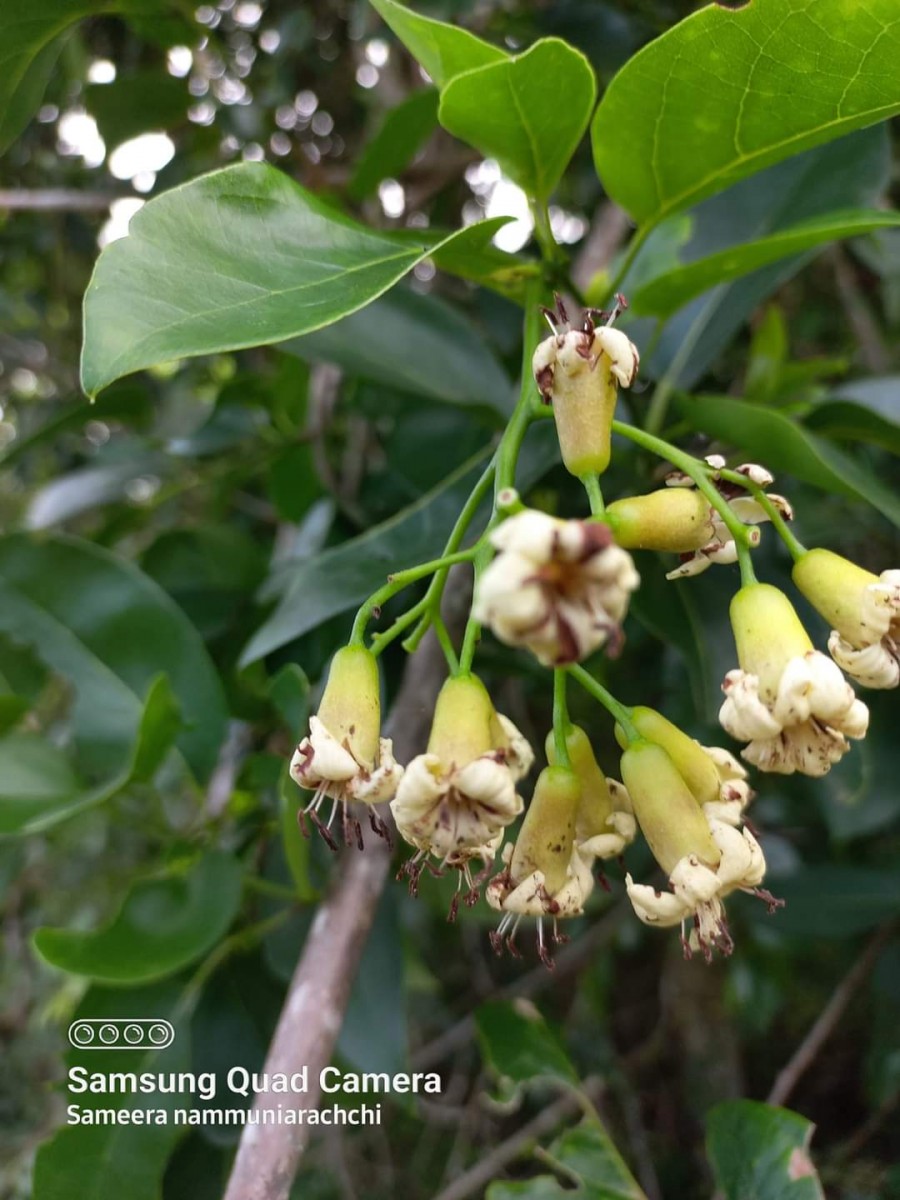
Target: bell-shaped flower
561 588
720 547
788 701
544 875
715 778
604 822
578 371
863 610
704 858
344 757
455 800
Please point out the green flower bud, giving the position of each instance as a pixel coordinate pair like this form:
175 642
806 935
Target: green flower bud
836 588
351 706
693 763
463 716
668 813
768 634
547 835
672 519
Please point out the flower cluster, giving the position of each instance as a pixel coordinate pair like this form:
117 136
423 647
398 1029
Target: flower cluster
561 589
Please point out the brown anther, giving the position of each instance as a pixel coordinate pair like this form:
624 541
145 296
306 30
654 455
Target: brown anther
324 831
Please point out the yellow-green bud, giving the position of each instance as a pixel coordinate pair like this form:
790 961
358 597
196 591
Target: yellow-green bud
671 819
547 835
461 727
596 805
676 520
835 587
693 764
351 705
768 634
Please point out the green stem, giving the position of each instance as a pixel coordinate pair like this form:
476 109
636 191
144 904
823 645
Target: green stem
443 637
744 535
561 721
396 583
796 548
526 410
634 248
431 602
381 641
620 712
591 484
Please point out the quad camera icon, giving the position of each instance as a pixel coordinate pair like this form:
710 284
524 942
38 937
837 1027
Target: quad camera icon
125 1034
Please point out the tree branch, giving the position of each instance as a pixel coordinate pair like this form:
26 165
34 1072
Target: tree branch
825 1024
313 1011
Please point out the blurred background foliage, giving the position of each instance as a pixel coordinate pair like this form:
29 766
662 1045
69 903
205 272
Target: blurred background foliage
172 553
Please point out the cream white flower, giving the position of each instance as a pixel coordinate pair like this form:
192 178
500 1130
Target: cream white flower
544 874
698 889
714 777
454 813
329 768
579 371
561 588
343 757
513 745
805 726
721 547
864 610
788 701
604 821
704 856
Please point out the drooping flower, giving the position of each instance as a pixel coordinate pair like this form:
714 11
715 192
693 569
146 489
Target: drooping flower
544 875
561 588
455 800
578 371
604 822
788 701
721 548
863 610
704 858
344 757
714 777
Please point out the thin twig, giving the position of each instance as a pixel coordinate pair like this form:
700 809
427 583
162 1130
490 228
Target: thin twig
514 1147
314 1007
56 200
827 1020
568 961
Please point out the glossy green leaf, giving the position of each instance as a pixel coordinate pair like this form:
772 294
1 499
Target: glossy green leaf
99 622
39 789
666 293
163 925
400 136
240 257
784 445
843 421
724 94
443 50
342 576
528 112
418 344
110 1162
849 173
520 1046
587 1160
289 692
35 776
33 37
758 1152
135 103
